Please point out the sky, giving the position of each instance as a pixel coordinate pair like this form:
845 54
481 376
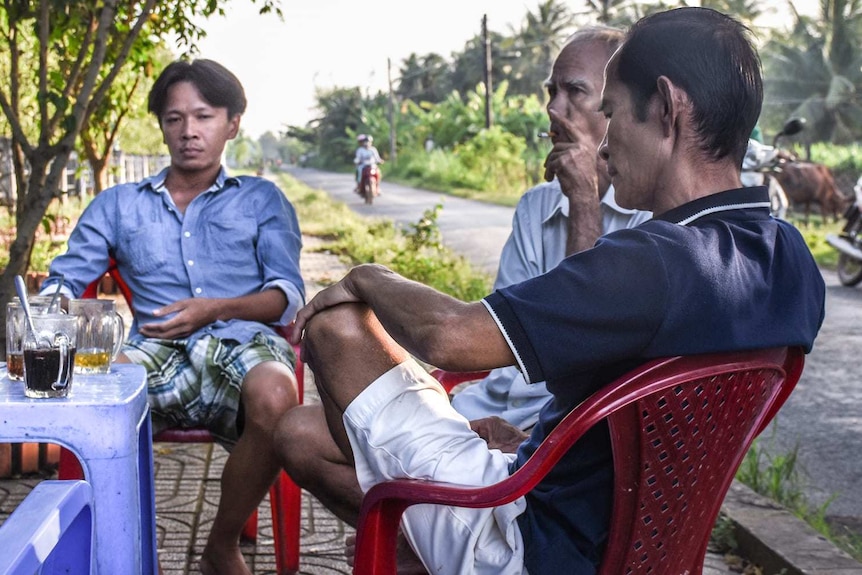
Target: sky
329 43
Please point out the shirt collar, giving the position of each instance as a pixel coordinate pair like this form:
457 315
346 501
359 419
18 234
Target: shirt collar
756 197
157 182
608 200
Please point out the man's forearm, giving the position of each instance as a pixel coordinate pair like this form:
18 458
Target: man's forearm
264 307
585 225
431 325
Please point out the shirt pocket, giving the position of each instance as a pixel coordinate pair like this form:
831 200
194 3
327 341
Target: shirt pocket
144 249
234 241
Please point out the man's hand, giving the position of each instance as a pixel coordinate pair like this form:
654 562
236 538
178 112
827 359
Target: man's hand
191 315
341 292
499 434
574 160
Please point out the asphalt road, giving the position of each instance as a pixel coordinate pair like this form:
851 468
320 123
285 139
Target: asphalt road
474 229
822 418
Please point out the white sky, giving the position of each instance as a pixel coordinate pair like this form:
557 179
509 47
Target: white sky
345 43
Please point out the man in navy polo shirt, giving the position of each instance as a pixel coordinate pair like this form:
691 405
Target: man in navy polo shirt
713 271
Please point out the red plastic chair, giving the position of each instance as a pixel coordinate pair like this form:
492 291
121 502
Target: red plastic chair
679 429
450 379
284 495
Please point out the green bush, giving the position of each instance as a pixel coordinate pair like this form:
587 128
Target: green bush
838 158
417 253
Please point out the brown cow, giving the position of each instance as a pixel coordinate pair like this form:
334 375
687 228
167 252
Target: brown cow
807 183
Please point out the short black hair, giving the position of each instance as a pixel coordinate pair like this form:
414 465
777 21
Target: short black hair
217 85
711 57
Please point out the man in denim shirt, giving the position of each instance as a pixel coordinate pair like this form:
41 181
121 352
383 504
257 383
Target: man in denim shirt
212 262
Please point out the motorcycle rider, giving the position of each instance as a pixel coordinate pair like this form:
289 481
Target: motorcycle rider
366 155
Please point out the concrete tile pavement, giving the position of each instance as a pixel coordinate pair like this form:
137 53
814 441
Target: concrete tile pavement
187 487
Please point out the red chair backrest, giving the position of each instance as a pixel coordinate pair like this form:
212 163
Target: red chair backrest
679 429
92 290
677 449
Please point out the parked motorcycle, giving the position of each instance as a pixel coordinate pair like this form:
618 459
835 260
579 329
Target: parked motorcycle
369 183
849 242
761 161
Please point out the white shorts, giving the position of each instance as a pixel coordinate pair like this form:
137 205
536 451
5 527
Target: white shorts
402 426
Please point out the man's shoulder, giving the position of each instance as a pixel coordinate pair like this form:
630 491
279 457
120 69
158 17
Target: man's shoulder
256 185
120 191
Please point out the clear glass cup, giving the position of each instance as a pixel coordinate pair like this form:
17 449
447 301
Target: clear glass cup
100 334
16 329
49 355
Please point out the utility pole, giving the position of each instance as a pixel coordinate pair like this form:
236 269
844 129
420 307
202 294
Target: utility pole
487 75
392 154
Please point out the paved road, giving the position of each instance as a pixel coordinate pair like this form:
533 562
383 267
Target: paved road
474 229
823 416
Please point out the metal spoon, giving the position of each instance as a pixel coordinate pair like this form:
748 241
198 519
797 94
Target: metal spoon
51 306
21 288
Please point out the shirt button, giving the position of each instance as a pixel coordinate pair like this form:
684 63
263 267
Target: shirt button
188 234
198 290
191 262
518 402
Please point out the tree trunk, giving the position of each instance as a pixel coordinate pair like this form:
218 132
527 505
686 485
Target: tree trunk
41 188
99 165
100 173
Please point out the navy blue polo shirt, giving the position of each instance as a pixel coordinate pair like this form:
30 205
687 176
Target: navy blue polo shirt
716 274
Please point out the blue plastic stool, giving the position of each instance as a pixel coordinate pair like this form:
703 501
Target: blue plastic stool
51 530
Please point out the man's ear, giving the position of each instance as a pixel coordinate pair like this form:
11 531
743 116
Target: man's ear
672 102
233 126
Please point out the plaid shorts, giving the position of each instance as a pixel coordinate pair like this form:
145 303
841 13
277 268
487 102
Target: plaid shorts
199 385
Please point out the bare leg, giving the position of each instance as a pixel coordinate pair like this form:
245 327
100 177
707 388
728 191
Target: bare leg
268 392
347 349
314 462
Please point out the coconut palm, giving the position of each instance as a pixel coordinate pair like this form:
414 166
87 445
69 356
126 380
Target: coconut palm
813 72
537 44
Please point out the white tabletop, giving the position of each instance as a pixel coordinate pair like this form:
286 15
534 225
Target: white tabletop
121 385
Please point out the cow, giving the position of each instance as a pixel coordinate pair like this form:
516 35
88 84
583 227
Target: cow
808 183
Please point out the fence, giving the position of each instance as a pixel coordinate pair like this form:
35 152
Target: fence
78 177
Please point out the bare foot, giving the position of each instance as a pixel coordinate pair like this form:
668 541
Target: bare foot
223 561
407 563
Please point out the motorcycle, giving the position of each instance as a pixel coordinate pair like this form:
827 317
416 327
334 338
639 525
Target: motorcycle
369 183
761 161
849 242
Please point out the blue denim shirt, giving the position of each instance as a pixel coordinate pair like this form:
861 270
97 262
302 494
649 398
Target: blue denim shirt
239 237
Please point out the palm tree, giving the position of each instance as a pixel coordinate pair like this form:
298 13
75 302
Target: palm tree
538 42
813 72
424 79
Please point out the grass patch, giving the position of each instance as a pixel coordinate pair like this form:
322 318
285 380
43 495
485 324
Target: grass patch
778 477
416 253
815 233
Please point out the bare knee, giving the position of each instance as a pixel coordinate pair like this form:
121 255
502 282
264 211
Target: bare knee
268 392
303 442
341 327
347 348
